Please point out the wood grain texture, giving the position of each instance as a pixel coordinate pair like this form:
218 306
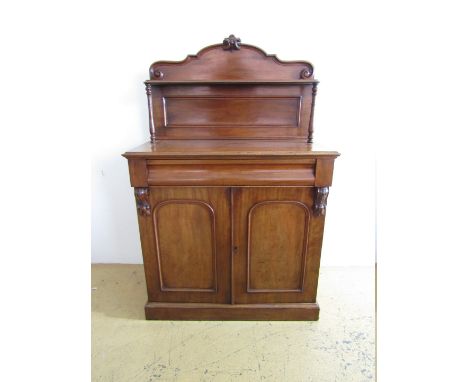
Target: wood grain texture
224 91
190 243
185 243
277 246
244 312
233 149
260 111
216 63
233 173
279 258
324 172
138 172
231 111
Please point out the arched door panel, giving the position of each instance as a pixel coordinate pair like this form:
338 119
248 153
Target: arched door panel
277 243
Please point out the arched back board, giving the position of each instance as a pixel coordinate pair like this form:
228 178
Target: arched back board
231 91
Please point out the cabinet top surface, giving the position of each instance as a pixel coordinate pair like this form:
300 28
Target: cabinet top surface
226 148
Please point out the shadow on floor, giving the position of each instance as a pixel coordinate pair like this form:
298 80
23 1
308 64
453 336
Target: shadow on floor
118 290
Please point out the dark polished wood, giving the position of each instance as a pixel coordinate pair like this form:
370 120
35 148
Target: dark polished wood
231 91
278 243
232 149
244 312
142 200
215 63
191 244
320 202
241 111
231 194
231 43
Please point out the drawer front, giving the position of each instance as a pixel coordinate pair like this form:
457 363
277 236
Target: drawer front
280 172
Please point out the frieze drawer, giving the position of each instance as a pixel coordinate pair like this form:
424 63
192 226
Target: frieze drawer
231 173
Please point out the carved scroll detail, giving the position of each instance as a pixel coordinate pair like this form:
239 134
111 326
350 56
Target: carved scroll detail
320 201
231 42
142 201
158 74
306 73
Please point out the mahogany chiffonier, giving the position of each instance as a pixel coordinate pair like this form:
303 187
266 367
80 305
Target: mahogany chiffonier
230 192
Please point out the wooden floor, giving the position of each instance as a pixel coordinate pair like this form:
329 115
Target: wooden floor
338 347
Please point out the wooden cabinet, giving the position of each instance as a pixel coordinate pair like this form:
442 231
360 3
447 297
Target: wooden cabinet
230 192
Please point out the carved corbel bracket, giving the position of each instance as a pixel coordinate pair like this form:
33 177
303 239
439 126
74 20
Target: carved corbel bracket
320 201
142 201
231 43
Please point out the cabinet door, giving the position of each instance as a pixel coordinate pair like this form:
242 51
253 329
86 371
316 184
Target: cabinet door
276 245
187 254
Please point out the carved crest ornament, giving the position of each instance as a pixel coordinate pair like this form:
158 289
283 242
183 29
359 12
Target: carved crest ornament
231 43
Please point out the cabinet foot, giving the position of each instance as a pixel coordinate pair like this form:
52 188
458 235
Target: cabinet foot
243 312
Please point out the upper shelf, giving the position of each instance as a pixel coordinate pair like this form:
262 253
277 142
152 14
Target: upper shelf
232 82
230 62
